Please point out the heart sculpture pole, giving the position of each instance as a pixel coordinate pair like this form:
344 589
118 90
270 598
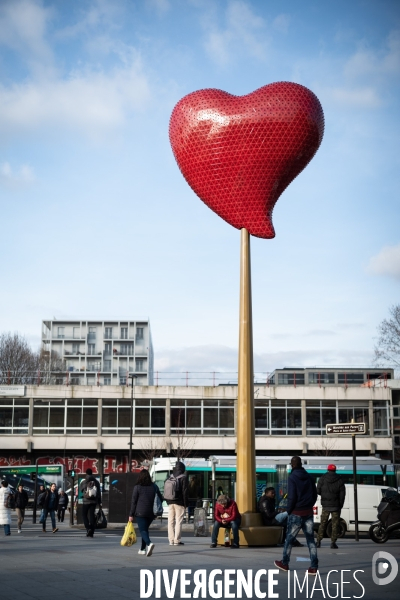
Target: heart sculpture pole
238 154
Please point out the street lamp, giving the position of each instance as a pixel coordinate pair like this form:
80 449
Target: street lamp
133 377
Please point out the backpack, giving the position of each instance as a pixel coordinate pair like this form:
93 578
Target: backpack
157 506
10 501
172 488
90 492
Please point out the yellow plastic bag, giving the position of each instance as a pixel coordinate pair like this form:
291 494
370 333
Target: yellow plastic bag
129 536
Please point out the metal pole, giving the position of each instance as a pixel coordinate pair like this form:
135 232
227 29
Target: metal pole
355 485
35 496
133 377
71 511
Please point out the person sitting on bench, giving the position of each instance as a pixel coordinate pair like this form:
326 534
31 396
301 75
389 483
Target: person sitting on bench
226 515
271 515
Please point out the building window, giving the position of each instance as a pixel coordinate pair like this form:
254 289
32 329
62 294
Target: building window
320 413
210 417
91 349
278 417
381 417
75 348
357 411
108 333
107 366
321 378
124 333
74 417
290 378
127 349
148 417
14 416
140 364
139 333
106 380
77 333
61 332
350 378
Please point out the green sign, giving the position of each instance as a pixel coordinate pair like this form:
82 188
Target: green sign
42 470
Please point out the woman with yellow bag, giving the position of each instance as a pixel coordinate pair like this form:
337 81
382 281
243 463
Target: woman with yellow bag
142 508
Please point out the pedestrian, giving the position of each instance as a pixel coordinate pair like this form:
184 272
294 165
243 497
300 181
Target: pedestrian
21 502
142 506
176 496
40 499
226 514
90 489
302 494
5 513
62 506
50 505
333 492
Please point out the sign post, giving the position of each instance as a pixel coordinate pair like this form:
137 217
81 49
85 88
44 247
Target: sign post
350 429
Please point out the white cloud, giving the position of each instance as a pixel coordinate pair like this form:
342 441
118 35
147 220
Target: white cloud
376 64
12 178
90 102
23 26
242 32
160 6
366 97
386 262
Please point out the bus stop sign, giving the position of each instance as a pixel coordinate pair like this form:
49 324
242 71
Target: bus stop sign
345 428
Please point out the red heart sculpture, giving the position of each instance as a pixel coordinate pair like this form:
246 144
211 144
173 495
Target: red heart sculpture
239 153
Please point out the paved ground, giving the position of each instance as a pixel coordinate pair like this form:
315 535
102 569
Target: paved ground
34 565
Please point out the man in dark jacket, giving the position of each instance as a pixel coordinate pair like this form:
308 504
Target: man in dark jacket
21 502
50 505
302 495
332 491
178 505
91 493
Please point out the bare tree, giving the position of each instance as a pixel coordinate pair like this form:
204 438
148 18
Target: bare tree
49 366
326 446
387 348
17 360
182 443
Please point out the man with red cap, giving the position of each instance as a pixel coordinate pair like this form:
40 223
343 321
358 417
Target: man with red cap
332 491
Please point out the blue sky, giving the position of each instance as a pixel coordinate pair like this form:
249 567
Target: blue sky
97 221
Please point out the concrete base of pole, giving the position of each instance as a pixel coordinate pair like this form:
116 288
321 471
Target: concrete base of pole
252 532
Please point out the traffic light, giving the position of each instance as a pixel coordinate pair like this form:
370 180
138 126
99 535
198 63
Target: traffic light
71 473
33 476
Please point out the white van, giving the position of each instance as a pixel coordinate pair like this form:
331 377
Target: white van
368 496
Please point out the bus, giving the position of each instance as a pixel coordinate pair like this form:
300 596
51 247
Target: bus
208 478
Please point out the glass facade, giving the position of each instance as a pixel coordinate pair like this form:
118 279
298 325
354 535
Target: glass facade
14 416
148 417
73 417
212 417
320 413
278 417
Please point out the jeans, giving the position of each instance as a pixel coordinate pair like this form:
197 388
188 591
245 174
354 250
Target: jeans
52 513
144 524
232 524
7 530
294 524
280 517
88 516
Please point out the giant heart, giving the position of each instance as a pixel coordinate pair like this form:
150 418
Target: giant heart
239 153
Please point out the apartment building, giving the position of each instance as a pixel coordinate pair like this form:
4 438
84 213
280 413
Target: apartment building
100 352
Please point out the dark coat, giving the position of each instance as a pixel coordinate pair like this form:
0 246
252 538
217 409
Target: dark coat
83 486
266 506
183 499
21 499
63 501
302 492
143 500
332 491
46 500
